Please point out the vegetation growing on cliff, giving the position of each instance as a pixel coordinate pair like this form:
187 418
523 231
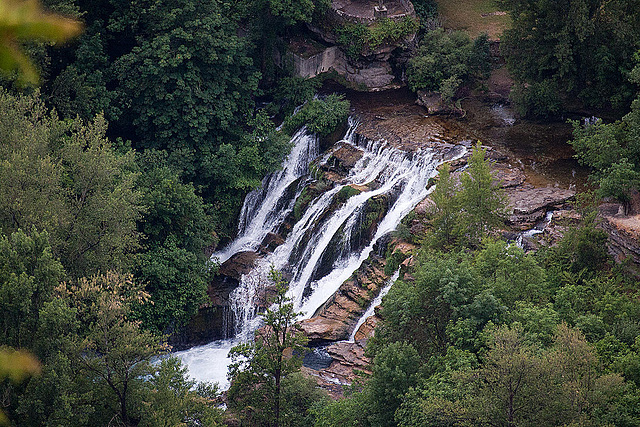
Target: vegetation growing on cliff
612 151
321 116
132 159
119 175
493 335
357 38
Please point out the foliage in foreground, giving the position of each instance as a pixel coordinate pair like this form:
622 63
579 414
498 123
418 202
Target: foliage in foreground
267 388
95 357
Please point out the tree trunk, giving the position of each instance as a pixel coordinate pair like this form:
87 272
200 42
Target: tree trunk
277 403
123 406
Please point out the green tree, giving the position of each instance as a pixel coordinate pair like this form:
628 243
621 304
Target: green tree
446 60
113 349
80 89
510 274
28 275
186 89
173 209
65 177
101 201
445 213
261 368
176 280
613 153
321 116
481 199
348 412
419 311
518 384
580 48
394 372
171 399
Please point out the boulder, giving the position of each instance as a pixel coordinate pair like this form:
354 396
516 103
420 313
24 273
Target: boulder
239 264
432 101
376 75
425 206
366 330
343 159
528 204
270 242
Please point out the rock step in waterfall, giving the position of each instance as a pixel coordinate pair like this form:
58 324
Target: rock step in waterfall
332 234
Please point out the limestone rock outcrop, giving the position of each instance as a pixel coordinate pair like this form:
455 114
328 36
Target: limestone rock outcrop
362 64
336 318
623 231
528 204
348 357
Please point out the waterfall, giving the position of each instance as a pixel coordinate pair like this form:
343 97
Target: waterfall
376 302
319 252
537 229
265 208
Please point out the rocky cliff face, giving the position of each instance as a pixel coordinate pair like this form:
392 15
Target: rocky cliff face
528 206
335 320
374 72
371 66
624 234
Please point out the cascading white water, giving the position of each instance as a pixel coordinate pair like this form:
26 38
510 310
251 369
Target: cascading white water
537 229
399 176
265 208
376 302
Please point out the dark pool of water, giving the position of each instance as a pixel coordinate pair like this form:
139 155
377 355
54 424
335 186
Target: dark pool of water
317 358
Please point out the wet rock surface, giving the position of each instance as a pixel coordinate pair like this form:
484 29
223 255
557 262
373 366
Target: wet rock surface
335 319
508 175
239 264
432 102
348 358
343 159
408 127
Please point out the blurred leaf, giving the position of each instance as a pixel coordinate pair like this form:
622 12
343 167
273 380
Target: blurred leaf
17 364
20 20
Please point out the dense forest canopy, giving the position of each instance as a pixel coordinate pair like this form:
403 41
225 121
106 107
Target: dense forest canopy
565 51
129 163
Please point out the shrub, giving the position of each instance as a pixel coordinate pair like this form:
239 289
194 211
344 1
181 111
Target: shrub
321 116
538 99
446 60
